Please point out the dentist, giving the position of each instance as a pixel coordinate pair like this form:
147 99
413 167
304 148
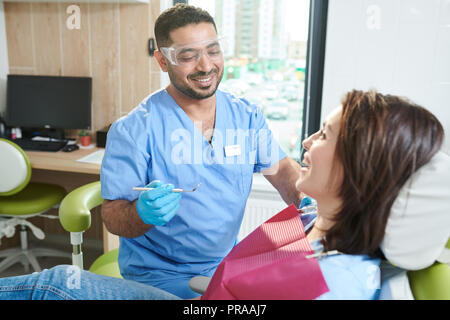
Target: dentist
183 135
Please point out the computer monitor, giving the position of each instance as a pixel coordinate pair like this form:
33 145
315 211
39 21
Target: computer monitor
50 102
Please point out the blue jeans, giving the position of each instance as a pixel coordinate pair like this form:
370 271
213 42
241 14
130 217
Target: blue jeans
67 282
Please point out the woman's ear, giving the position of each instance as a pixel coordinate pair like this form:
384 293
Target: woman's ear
161 60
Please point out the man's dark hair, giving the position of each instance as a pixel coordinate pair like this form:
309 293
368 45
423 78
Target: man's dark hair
176 17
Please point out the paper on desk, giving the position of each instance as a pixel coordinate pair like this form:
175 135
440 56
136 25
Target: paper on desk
95 157
39 138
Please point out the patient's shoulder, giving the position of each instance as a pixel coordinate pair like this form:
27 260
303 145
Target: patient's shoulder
351 276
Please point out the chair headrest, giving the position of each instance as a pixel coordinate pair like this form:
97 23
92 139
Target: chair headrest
14 168
418 227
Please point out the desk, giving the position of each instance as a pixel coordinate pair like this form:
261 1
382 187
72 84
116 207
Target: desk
63 169
63 161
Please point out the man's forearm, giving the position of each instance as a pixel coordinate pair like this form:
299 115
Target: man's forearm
284 180
289 192
121 218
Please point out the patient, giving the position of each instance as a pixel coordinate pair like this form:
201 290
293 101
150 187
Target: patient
354 167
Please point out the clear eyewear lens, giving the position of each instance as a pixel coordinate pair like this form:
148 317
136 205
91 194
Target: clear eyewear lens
169 54
188 54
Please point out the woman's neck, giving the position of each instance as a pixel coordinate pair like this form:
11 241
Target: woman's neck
326 210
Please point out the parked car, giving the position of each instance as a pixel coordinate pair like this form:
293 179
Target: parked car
291 93
256 100
277 110
235 86
270 90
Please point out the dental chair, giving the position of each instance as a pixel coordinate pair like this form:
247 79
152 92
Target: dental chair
21 200
75 217
416 243
417 237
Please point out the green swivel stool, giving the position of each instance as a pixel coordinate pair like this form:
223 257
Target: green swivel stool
20 200
75 217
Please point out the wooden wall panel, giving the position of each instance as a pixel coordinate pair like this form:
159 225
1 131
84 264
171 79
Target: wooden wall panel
104 25
154 11
110 46
21 70
75 49
134 55
46 38
18 35
155 81
75 58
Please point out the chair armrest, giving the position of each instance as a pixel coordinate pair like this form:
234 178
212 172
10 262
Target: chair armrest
199 284
75 208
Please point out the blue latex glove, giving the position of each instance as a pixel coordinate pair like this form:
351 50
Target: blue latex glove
308 205
306 201
159 205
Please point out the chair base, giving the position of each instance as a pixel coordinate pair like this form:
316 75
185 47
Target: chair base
25 255
28 257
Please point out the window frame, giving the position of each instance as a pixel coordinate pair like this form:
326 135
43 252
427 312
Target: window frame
315 65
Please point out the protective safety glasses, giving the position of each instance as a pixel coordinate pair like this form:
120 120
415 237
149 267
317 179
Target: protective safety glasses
190 54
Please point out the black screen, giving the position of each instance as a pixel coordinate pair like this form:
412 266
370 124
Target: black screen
48 102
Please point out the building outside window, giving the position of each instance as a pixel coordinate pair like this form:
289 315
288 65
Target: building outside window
265 59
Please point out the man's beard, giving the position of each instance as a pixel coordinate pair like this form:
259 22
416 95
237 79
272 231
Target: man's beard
190 92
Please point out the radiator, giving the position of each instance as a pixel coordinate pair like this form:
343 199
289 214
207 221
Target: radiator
259 209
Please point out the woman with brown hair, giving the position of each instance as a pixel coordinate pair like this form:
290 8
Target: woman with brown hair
373 143
354 168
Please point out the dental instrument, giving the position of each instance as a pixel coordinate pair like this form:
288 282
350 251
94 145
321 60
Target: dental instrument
173 190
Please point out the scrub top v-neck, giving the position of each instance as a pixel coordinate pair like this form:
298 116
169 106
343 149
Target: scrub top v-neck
158 141
187 120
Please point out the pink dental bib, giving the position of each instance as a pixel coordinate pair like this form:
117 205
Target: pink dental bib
270 264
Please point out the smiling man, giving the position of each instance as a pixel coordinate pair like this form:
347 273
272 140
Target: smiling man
195 69
185 134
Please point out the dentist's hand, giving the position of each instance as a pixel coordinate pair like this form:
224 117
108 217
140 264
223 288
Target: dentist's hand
159 205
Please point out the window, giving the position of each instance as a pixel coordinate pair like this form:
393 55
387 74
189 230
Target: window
265 59
278 47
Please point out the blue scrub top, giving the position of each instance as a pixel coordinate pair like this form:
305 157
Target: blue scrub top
158 141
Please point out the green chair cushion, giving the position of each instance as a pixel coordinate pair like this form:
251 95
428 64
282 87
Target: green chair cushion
107 264
432 283
34 198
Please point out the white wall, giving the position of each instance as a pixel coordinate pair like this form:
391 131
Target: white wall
3 60
399 47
